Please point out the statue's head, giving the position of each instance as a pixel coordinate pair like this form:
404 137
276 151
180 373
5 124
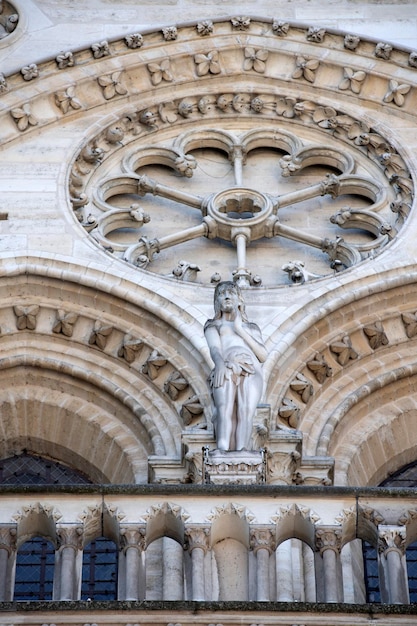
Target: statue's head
223 288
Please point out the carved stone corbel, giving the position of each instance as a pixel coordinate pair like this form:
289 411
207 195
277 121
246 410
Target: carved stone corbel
241 22
205 28
316 34
280 28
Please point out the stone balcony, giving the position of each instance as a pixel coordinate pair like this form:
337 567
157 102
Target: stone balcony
292 550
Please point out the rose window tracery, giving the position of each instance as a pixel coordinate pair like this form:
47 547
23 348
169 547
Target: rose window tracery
264 205
8 18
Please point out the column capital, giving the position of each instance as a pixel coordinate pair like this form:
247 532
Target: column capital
262 538
197 537
133 536
391 538
8 535
70 536
328 538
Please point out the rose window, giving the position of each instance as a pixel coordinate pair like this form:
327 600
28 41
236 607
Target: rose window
263 206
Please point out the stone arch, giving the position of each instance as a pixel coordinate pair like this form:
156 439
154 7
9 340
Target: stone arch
36 520
359 523
230 520
165 520
295 521
368 380
386 441
44 370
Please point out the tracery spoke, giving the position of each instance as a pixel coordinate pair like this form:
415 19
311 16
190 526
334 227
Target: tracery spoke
149 185
330 185
337 249
149 248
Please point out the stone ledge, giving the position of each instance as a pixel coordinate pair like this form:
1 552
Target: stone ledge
213 490
193 608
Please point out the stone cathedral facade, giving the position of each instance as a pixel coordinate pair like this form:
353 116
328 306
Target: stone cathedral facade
139 169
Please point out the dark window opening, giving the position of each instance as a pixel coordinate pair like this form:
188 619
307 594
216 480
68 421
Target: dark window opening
29 469
34 570
99 570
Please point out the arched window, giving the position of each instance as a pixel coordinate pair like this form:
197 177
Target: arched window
36 557
29 469
99 580
405 477
34 570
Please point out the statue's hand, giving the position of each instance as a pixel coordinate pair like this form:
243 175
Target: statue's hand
219 375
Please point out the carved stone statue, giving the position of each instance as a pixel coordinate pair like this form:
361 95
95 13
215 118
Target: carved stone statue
237 349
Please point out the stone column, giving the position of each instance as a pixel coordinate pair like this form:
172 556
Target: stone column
173 570
197 543
391 549
284 575
69 542
262 542
328 546
7 547
133 543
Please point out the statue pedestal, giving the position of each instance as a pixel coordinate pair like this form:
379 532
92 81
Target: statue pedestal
237 467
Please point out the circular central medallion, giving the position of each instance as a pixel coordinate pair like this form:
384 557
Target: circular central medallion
240 206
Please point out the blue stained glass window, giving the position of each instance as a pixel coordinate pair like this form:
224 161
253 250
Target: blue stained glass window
34 570
99 570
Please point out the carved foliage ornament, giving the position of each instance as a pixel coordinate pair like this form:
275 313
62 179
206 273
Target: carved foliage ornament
376 335
112 85
410 324
23 117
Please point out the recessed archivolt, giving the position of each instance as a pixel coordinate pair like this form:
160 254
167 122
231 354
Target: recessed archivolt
116 70
377 437
70 429
129 390
336 332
